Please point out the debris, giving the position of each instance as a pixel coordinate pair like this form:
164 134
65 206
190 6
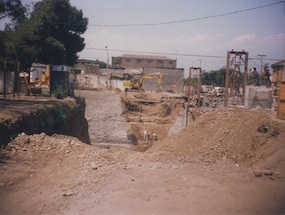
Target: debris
258 174
68 194
93 165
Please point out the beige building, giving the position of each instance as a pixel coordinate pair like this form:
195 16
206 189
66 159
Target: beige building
143 61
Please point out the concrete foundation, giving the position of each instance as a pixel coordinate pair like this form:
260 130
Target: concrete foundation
258 97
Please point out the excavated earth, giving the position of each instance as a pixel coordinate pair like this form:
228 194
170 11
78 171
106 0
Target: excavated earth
226 161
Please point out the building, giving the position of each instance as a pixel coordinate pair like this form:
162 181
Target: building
278 71
279 87
143 61
87 67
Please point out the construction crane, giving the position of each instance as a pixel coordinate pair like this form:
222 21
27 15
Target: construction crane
137 85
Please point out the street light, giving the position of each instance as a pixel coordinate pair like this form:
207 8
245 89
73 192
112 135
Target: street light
107 57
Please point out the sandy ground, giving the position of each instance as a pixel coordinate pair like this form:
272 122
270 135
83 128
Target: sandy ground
229 161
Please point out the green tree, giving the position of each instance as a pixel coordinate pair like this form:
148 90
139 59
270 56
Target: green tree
51 34
101 63
214 77
13 9
58 26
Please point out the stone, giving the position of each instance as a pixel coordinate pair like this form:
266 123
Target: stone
258 174
93 165
68 194
268 172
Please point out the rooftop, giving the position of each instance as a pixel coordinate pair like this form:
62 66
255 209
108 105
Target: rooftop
157 57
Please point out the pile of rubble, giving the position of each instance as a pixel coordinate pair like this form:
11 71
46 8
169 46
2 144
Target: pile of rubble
41 147
234 135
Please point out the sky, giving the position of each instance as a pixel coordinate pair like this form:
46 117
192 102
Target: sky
259 31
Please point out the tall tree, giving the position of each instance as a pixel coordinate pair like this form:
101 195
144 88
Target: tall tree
14 13
214 77
58 26
12 9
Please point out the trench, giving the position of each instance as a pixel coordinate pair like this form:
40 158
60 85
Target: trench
94 117
66 117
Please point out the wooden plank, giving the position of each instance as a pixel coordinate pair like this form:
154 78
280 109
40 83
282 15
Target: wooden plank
281 111
281 103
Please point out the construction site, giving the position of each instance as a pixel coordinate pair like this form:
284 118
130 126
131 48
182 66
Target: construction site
152 146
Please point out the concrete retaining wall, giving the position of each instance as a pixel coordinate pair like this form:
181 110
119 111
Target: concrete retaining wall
258 97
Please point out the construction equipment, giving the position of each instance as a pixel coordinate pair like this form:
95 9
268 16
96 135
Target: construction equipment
137 85
40 79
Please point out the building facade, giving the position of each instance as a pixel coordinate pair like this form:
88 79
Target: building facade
143 61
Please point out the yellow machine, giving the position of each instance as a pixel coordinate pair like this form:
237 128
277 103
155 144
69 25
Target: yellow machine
45 79
40 85
137 85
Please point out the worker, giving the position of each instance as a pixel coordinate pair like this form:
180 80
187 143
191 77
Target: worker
254 75
72 88
266 74
146 135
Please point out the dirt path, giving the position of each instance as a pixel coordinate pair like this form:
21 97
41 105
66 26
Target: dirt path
103 113
183 174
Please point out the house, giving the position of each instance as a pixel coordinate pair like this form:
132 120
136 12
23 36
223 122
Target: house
143 61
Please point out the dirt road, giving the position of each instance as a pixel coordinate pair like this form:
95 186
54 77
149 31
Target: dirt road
197 171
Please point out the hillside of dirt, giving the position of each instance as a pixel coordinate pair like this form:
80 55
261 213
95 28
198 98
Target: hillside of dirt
226 161
234 135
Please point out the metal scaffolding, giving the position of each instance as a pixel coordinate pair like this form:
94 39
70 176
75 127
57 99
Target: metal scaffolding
194 82
236 75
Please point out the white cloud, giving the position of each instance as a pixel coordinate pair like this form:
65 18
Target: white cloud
244 38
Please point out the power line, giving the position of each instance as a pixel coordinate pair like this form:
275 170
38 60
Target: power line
187 20
172 54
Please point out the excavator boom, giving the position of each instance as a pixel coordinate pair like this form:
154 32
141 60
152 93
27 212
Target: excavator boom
138 84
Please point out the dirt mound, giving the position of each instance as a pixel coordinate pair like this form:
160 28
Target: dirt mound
42 147
230 134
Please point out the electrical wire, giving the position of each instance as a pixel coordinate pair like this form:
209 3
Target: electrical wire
187 20
173 54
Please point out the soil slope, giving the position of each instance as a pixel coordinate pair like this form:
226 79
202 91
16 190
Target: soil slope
229 161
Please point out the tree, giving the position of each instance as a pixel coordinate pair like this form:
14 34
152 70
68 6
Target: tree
214 77
101 63
13 9
51 35
16 12
58 26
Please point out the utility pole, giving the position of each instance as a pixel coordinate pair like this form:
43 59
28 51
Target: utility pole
261 56
4 81
107 57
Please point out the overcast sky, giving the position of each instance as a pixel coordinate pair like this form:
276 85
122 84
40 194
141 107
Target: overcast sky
257 31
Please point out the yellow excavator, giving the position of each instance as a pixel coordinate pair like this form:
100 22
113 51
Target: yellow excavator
137 85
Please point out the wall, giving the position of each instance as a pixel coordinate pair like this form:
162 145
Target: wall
9 82
142 62
172 80
258 97
95 81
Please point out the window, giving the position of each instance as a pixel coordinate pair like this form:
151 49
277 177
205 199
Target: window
138 61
